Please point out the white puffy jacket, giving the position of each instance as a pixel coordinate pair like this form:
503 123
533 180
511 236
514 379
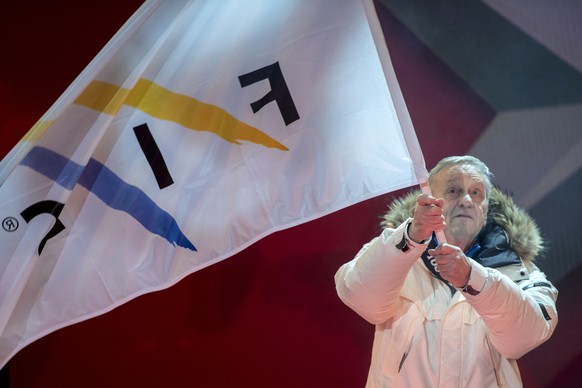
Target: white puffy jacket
427 338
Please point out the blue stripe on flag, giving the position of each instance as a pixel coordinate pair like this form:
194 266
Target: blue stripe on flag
111 189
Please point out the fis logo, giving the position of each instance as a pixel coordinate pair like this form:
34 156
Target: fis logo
164 104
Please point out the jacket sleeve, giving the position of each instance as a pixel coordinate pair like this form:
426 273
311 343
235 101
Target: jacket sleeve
519 316
370 283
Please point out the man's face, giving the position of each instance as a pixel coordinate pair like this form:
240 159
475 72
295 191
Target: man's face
465 209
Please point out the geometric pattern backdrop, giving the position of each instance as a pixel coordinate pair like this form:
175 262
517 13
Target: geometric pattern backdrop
500 80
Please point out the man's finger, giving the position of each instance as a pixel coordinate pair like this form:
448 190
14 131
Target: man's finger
425 200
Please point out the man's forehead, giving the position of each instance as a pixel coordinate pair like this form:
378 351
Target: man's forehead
457 173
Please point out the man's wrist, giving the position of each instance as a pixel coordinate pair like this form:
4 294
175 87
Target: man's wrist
403 241
476 279
467 287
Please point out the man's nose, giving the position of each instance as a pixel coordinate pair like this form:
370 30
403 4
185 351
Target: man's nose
466 201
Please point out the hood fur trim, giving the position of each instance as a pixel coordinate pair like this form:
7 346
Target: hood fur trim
522 232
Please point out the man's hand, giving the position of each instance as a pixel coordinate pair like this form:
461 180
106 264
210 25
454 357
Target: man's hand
428 217
452 264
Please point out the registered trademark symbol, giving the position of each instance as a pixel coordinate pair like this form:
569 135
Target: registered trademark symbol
10 224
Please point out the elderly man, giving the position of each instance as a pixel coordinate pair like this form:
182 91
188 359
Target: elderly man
454 314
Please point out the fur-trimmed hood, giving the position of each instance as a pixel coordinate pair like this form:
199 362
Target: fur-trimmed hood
521 230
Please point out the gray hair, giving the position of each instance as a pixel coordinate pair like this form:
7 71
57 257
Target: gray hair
466 160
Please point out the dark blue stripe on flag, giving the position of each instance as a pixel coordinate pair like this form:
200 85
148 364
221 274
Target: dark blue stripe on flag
111 189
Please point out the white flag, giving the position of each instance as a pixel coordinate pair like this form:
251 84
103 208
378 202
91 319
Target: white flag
200 128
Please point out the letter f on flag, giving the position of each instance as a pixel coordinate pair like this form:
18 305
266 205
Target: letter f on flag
279 91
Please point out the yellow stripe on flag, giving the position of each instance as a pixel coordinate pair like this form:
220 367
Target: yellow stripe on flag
167 105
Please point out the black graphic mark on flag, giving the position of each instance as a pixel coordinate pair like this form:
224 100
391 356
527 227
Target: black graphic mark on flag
279 91
45 207
153 155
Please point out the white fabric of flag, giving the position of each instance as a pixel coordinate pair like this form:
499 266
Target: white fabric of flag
201 127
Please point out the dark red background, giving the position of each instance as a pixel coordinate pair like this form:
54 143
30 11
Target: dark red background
267 317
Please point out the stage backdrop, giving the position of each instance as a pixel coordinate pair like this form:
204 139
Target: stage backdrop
502 82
